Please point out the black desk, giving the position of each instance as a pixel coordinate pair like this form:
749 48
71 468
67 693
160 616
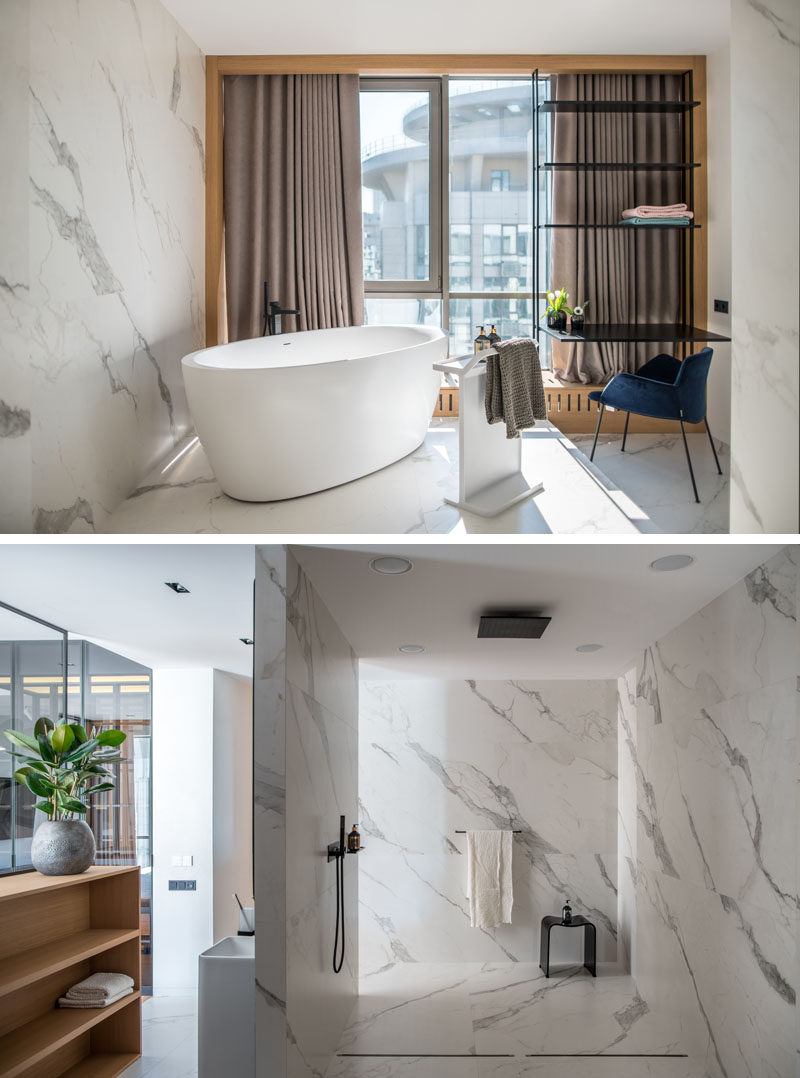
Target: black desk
589 942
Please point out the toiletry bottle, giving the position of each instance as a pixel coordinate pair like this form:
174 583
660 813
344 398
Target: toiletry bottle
354 840
481 341
494 337
566 914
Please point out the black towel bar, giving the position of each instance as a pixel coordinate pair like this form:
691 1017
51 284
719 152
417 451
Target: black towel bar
499 829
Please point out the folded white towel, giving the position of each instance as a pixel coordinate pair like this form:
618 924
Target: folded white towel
489 884
100 986
64 1001
678 209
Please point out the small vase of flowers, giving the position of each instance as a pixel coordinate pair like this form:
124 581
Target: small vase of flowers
578 317
557 310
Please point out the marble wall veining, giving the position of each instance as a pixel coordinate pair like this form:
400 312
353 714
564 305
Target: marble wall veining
440 756
102 252
321 784
305 775
709 722
765 170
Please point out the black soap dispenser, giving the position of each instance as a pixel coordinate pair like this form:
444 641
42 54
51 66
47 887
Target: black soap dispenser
566 914
353 841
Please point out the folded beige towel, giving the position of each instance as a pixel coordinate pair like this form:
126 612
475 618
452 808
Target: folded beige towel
514 389
100 986
64 1001
679 209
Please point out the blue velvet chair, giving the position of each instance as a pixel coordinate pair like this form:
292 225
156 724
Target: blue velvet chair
664 388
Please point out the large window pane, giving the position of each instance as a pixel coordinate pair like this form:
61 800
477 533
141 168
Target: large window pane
395 177
510 317
391 311
490 185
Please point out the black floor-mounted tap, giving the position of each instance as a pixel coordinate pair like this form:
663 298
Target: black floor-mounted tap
272 314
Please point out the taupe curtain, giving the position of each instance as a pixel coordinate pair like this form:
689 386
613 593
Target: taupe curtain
292 200
626 277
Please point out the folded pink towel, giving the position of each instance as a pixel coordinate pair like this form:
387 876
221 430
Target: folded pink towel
679 209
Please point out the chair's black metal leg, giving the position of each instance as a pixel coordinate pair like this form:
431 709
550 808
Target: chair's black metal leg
596 433
625 432
713 447
689 461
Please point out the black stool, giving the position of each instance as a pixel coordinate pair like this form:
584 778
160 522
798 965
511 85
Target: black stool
589 942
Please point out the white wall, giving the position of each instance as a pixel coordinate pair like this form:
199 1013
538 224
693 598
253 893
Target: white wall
101 252
765 84
183 823
233 799
441 756
718 145
709 724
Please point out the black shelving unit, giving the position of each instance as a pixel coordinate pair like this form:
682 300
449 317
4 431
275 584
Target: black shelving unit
684 332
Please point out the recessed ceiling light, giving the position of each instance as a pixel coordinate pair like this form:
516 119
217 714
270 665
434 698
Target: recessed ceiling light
390 566
179 589
671 562
411 649
245 640
584 648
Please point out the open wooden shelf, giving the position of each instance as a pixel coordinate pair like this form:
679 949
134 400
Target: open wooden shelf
21 969
35 1040
103 1065
55 931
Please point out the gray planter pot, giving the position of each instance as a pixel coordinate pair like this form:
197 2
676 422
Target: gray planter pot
62 847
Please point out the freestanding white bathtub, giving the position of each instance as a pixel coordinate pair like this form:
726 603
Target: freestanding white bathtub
287 415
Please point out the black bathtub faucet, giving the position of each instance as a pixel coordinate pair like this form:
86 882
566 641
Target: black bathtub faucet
272 314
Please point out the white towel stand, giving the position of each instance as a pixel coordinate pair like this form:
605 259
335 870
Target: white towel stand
490 478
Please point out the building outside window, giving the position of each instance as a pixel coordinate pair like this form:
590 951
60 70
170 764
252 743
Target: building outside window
476 256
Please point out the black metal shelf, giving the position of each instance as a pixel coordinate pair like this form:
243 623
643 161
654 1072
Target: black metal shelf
621 166
656 227
617 106
683 332
637 333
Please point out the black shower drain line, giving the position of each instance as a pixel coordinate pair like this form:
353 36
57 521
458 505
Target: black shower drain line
511 1055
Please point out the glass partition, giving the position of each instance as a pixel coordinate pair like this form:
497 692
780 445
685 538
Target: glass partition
32 673
39 665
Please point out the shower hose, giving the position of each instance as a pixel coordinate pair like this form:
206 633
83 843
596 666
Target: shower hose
338 958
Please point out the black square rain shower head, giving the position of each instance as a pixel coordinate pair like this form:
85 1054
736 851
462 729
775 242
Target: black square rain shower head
512 626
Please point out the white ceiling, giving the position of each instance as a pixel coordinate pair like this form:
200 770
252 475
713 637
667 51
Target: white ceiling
604 594
454 26
114 594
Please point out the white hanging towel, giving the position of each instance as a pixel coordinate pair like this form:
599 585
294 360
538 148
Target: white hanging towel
489 886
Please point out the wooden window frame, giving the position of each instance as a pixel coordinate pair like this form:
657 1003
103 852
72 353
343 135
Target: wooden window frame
431 65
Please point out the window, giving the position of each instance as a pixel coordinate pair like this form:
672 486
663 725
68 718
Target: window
501 179
467 241
400 184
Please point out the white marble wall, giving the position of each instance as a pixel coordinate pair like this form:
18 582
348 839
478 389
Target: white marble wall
101 259
306 774
438 756
321 783
715 754
765 85
269 809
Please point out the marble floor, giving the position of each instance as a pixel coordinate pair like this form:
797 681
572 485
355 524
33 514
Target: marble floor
169 1038
646 489
474 1020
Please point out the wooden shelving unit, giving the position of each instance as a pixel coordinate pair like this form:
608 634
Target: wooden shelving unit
54 931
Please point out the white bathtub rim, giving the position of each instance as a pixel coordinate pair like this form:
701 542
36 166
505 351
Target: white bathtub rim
437 333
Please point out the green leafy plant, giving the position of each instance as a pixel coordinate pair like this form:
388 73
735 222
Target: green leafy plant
64 765
557 302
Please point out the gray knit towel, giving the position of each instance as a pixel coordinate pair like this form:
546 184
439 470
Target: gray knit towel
100 986
78 1004
514 387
